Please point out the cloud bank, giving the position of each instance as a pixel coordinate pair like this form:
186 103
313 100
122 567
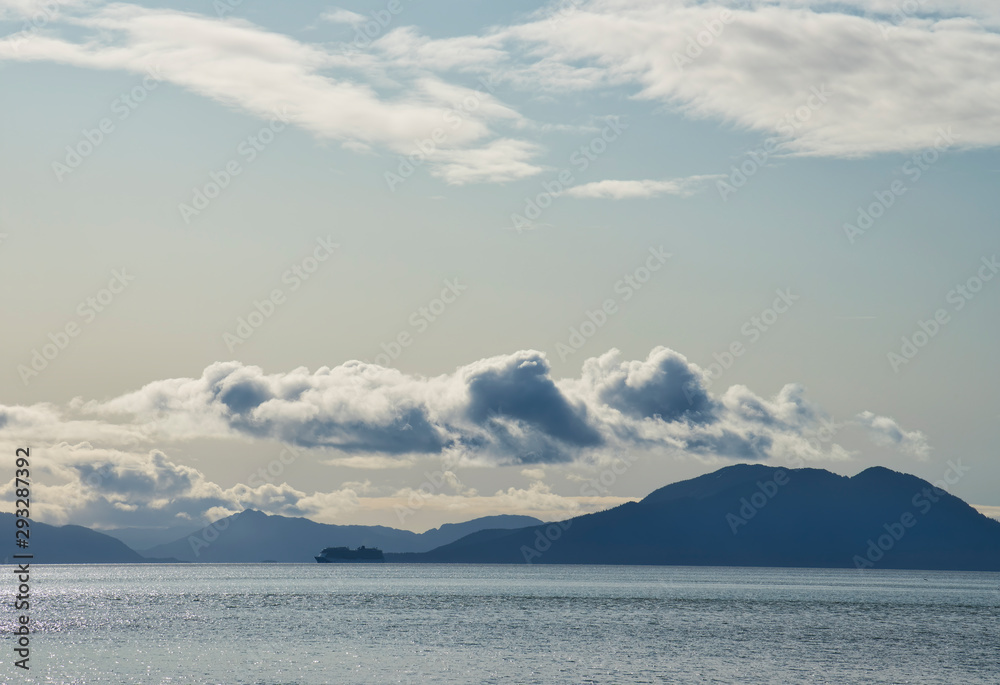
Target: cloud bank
105 461
504 410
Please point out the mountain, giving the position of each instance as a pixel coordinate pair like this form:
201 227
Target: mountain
66 545
141 539
756 515
253 536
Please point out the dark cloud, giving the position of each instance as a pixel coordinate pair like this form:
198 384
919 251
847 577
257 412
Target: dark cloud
244 396
664 387
156 478
731 444
522 389
408 432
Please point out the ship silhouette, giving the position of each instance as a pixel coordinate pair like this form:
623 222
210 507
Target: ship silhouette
340 555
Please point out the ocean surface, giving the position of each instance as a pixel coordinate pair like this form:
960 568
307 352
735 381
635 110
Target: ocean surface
306 624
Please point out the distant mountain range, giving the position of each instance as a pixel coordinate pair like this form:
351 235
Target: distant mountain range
252 536
66 545
249 536
141 539
756 515
742 515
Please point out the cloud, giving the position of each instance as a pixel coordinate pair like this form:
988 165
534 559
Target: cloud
828 83
665 386
536 500
267 74
885 431
830 80
36 12
501 410
109 487
104 464
406 47
499 161
342 16
627 190
106 488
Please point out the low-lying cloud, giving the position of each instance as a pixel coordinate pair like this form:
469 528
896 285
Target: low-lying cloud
503 410
107 462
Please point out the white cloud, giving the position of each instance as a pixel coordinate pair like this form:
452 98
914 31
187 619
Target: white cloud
342 16
263 73
764 68
499 161
885 431
626 190
821 81
406 47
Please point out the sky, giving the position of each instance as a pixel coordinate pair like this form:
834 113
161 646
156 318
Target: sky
408 263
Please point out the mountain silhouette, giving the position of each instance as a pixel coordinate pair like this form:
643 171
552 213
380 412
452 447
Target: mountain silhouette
253 536
756 515
141 539
66 545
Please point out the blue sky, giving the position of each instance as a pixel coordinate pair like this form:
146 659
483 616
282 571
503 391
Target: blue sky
550 234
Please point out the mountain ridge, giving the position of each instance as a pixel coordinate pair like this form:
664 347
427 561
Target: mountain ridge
68 544
759 515
252 536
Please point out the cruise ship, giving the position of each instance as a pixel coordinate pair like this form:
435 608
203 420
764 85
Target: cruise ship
346 555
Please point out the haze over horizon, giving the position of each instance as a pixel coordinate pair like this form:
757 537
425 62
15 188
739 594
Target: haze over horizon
481 258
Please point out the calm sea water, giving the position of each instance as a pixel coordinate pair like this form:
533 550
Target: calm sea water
309 624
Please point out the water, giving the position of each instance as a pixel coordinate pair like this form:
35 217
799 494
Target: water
306 624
